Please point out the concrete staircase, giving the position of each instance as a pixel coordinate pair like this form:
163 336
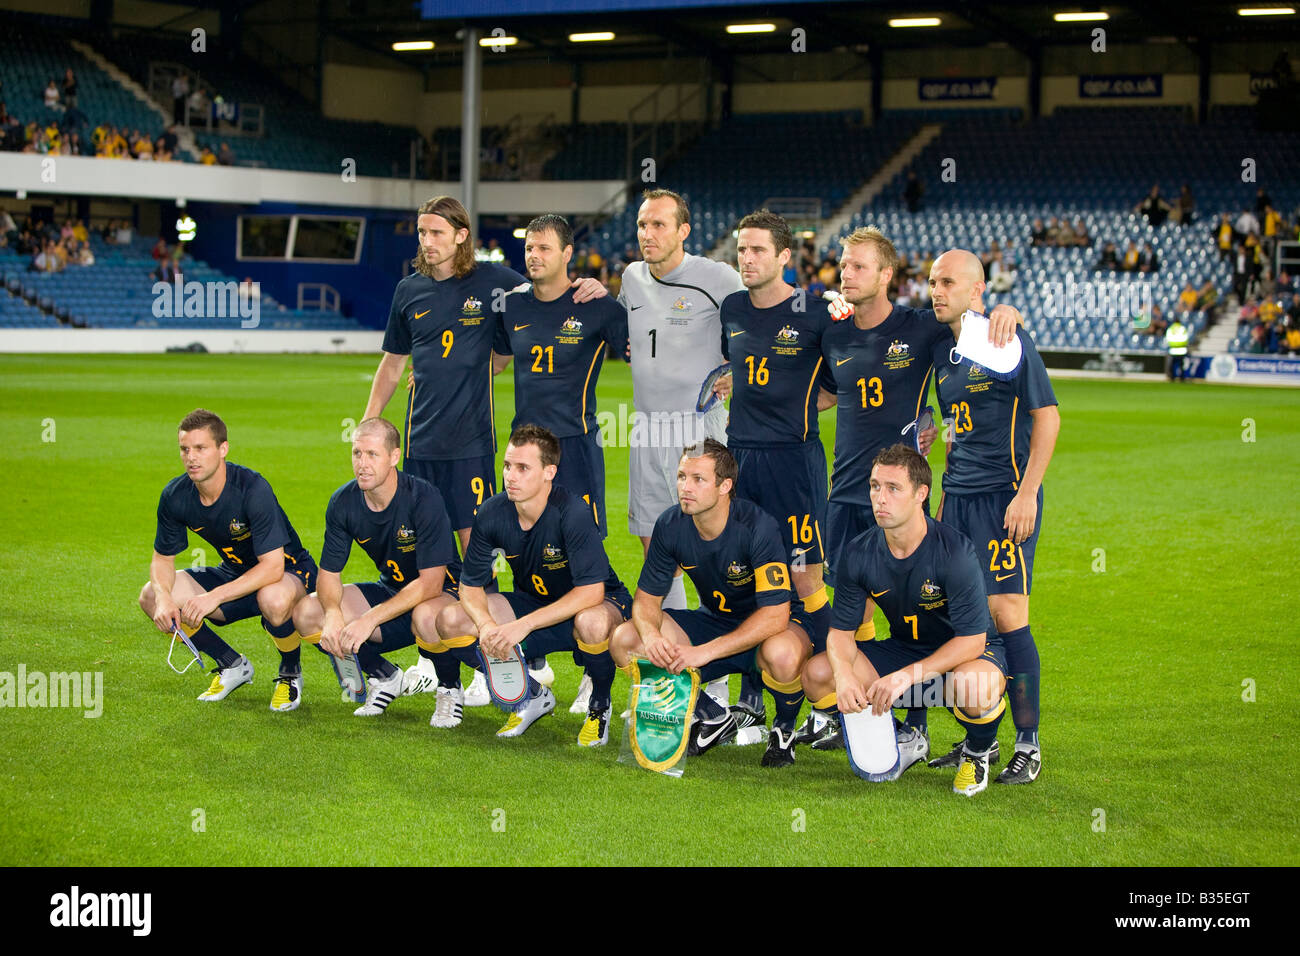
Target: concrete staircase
837 225
185 138
1223 330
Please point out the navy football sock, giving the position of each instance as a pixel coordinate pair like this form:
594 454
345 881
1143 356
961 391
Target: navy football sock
290 661
788 698
206 640
373 663
428 655
706 708
982 731
1024 667
751 692
447 667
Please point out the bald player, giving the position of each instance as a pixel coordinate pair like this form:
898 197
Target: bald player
1003 434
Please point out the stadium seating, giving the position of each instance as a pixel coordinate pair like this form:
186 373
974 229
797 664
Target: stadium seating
117 292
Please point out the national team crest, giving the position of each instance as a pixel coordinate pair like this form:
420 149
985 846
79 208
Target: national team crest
977 373
405 534
930 591
552 553
682 304
472 306
739 574
897 350
788 335
238 528
571 326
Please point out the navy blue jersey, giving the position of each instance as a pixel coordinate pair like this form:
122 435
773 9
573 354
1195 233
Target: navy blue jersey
776 363
246 520
411 534
931 596
560 552
559 347
448 328
736 573
990 418
881 376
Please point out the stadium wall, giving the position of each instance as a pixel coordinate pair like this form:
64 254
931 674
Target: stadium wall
147 13
85 176
162 340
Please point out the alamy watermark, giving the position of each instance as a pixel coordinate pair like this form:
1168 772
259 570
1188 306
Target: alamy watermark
209 300
75 689
1113 300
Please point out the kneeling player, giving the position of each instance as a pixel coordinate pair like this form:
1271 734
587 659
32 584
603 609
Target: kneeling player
926 579
748 622
566 597
401 523
264 568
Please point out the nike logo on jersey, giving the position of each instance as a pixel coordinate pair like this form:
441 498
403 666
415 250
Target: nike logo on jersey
363 540
839 362
734 334
1003 577
876 594
633 308
519 328
689 567
420 315
509 556
196 530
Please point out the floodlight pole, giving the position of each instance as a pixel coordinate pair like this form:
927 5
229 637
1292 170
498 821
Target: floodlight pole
471 93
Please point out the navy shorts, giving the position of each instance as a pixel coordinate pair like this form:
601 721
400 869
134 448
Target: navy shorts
844 522
240 609
582 473
394 634
893 654
702 626
557 637
789 483
1008 567
465 483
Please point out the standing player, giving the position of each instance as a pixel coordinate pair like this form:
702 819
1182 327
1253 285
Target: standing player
558 345
880 359
400 522
774 343
748 622
566 597
1003 436
445 315
926 578
264 568
672 301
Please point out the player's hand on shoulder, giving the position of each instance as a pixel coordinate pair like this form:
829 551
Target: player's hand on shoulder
1003 320
588 289
839 307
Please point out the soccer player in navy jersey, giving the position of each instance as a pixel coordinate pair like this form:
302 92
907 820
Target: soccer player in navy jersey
772 335
566 595
748 621
1003 434
264 568
926 578
399 521
879 356
446 316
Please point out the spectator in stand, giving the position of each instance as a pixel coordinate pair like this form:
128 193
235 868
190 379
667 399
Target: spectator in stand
123 235
170 139
198 107
1108 260
1154 208
1267 285
143 148
180 93
1184 206
74 145
1186 299
1249 314
209 158
913 190
1270 310
52 96
1053 232
161 154
1131 258
1262 201
1290 340
1246 225
1273 225
70 88
1223 236
1207 296
159 251
829 274
1001 276
1039 235
813 283
986 260
1285 285
7 224
1081 237
226 155
1293 310
48 259
1065 234
1148 261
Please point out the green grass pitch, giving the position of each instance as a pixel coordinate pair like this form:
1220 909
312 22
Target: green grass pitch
1163 595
